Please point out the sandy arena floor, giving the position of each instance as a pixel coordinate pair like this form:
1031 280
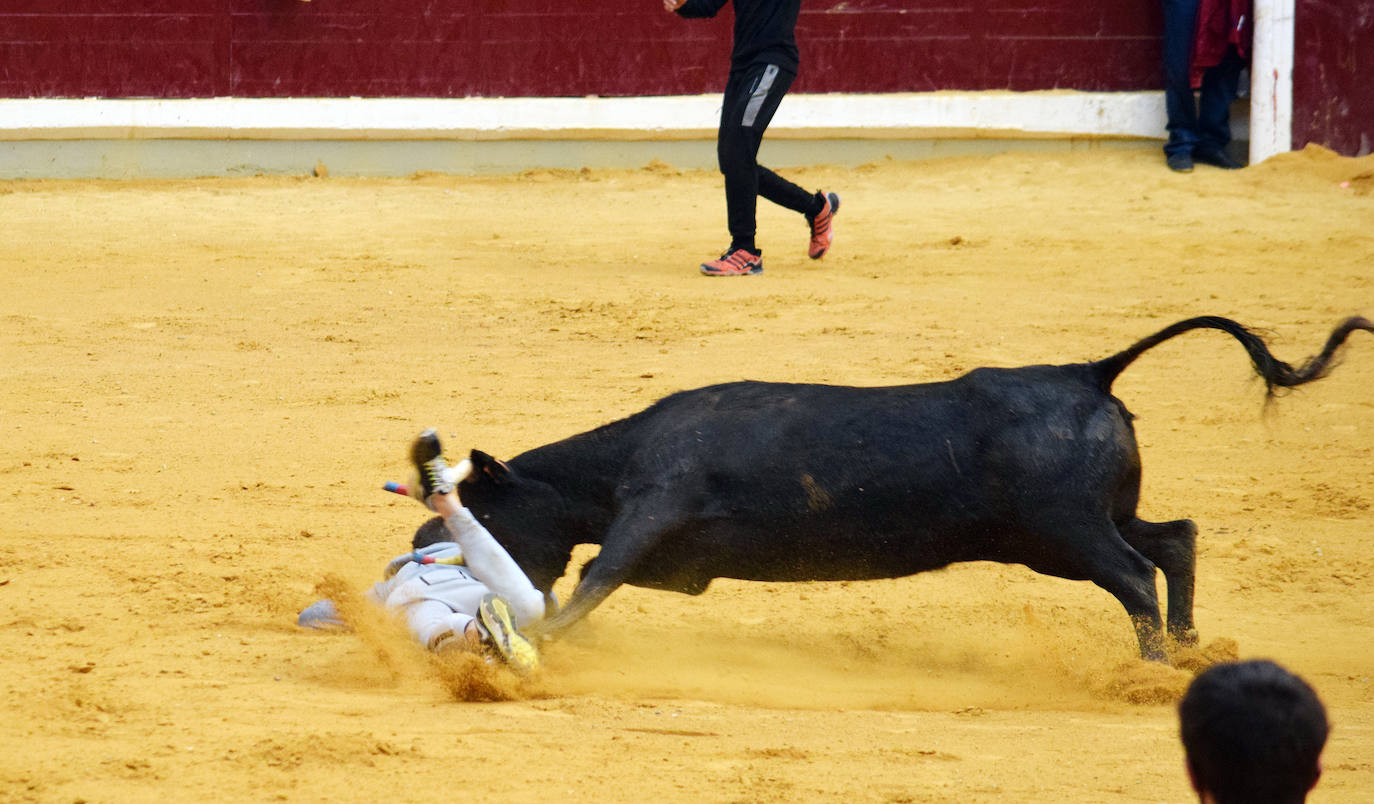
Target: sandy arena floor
206 382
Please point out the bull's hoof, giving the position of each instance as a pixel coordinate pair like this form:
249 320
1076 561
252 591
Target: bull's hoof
1197 658
1187 638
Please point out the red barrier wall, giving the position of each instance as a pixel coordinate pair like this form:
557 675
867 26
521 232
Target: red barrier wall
426 48
1333 64
553 48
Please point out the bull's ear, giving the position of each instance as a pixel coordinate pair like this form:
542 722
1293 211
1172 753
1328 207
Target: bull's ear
485 466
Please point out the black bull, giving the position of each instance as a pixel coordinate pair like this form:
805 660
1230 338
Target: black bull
780 482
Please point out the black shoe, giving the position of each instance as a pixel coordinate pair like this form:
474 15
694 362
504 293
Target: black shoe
428 458
1216 157
1181 162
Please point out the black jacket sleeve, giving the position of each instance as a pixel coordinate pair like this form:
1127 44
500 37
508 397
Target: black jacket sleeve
698 9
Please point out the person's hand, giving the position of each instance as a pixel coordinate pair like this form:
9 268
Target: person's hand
672 5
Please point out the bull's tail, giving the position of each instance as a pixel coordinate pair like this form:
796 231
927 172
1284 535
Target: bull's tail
1275 372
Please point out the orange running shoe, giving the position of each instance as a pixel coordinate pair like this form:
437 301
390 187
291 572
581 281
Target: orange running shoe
734 262
822 227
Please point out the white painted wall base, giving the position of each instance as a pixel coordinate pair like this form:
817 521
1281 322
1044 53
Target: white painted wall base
229 136
977 114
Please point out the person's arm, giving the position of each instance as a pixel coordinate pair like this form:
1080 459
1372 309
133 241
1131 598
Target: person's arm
694 9
322 615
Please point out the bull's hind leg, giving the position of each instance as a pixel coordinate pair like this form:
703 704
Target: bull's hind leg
1095 551
1172 546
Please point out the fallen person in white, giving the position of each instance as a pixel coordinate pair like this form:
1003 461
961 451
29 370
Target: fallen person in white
466 594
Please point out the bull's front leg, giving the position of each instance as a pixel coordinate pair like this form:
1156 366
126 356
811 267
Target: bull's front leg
636 531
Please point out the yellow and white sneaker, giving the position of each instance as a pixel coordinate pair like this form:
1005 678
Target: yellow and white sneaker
503 638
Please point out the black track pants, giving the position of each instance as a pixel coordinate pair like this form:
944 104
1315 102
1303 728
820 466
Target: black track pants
751 98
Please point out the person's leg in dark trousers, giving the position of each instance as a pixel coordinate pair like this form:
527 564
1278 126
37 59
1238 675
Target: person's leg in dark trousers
1180 22
751 99
1219 90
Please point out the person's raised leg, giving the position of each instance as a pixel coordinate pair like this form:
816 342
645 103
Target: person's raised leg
484 557
482 554
819 208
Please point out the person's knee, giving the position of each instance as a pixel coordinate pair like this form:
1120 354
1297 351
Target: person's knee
734 154
527 607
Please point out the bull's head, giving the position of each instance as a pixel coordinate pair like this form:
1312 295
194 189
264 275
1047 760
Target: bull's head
527 516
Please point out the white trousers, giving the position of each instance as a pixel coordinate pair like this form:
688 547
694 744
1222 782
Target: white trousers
437 598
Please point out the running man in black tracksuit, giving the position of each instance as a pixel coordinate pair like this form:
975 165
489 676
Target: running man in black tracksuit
763 65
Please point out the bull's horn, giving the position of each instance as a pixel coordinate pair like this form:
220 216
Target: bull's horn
457 474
